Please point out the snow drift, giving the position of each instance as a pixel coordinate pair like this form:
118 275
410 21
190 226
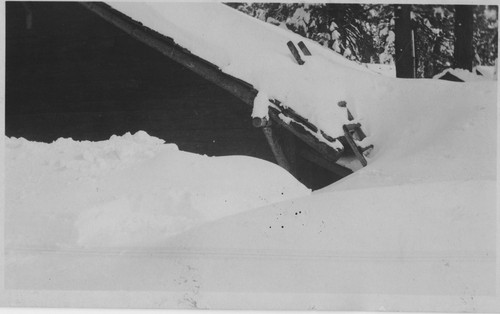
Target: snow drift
127 191
417 225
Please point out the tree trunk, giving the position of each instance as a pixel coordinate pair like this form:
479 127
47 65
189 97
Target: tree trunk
403 42
464 22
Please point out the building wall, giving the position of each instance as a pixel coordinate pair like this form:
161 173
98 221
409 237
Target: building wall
72 74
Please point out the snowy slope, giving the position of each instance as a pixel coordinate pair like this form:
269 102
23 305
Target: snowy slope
420 219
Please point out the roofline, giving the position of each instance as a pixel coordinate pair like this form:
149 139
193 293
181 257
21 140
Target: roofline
237 87
169 48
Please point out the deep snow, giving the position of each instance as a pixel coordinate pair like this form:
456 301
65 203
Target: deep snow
414 227
130 190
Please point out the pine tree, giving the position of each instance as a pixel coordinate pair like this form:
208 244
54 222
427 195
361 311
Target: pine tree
368 32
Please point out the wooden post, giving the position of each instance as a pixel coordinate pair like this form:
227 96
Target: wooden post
343 104
276 149
348 136
289 144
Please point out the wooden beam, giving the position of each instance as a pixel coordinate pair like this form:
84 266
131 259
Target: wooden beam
320 161
276 148
289 112
354 147
169 48
355 128
298 130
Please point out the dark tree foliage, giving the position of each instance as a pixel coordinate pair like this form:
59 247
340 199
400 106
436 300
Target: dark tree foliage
485 37
337 26
434 38
366 32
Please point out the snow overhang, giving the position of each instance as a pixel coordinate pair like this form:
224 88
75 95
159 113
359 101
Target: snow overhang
323 138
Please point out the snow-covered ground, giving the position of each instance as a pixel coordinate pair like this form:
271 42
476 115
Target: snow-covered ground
414 230
132 190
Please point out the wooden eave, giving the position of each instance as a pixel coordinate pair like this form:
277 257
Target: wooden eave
299 126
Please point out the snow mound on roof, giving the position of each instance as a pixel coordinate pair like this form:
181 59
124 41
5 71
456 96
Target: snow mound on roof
487 71
129 190
464 75
257 53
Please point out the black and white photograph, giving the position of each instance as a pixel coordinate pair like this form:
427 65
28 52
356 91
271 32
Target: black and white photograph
337 156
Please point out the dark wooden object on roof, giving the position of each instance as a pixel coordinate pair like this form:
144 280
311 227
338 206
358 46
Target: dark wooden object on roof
304 49
295 52
351 130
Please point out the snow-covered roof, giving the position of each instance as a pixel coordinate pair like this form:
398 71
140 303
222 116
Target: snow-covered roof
414 230
257 53
465 75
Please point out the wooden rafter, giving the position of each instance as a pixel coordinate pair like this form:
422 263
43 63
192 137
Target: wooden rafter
330 166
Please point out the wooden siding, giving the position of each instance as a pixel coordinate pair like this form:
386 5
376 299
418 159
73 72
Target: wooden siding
75 75
72 74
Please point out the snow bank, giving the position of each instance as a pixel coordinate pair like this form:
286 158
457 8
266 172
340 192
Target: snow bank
130 190
418 221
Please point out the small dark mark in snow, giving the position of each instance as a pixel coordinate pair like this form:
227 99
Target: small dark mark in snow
282 227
